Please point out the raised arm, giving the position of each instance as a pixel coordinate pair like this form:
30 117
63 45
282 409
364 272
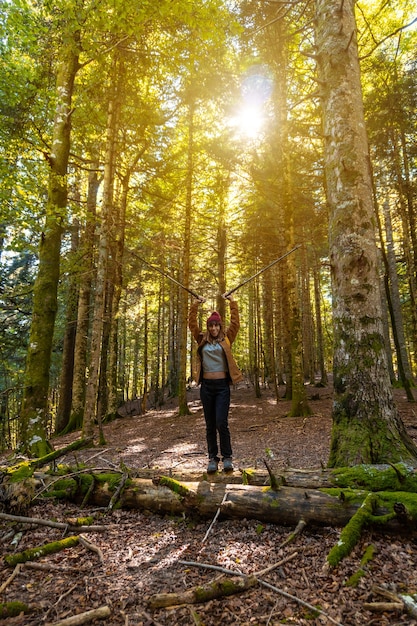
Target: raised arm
192 320
234 319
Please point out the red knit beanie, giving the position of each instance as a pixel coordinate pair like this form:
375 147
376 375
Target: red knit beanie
214 319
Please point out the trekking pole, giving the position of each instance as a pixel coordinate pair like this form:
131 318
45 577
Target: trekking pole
153 267
229 293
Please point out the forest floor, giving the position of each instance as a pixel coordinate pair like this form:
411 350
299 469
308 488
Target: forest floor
142 552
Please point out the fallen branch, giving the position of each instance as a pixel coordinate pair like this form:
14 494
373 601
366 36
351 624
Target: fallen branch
406 602
270 568
203 593
43 522
91 546
264 584
83 618
215 517
298 530
381 607
11 577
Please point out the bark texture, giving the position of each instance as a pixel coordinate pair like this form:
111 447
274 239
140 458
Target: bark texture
366 425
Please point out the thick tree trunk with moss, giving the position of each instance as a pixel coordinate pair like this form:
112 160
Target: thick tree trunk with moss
366 424
35 413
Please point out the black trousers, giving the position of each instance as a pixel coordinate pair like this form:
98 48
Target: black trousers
215 397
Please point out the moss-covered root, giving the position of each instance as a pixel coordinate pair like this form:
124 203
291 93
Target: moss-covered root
203 593
351 533
13 609
367 556
36 553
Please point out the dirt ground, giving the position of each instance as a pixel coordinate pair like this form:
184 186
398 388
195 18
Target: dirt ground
144 554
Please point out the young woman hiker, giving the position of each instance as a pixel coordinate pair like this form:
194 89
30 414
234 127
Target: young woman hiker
216 370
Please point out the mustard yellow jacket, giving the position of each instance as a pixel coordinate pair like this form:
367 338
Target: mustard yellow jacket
225 339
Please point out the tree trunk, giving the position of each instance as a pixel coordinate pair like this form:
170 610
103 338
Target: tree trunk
397 316
320 340
67 372
92 387
83 314
366 424
114 399
35 402
185 274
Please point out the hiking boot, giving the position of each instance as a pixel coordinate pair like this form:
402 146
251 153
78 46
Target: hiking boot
212 466
227 465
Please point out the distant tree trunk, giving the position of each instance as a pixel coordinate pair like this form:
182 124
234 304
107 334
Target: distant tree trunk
366 424
103 385
83 315
185 274
299 398
90 412
114 398
34 416
172 361
308 330
144 402
320 340
269 343
67 370
160 352
396 312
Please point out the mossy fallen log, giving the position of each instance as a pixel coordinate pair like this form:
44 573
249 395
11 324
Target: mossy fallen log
35 553
394 511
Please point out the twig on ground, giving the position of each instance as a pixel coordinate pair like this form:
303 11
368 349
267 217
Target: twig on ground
215 517
91 546
61 597
262 572
83 618
11 577
298 529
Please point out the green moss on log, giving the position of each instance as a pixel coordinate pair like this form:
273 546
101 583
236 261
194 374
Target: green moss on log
247 475
174 485
398 477
111 480
62 489
36 553
19 472
13 609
